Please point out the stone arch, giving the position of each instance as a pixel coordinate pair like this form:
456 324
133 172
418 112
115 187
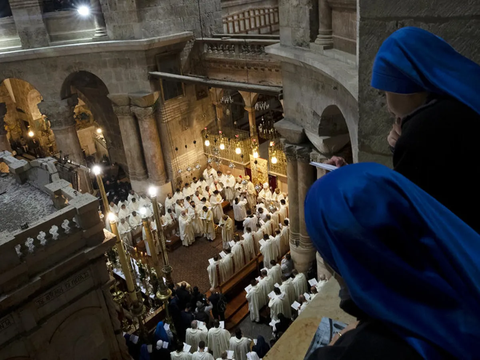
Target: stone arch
94 93
71 341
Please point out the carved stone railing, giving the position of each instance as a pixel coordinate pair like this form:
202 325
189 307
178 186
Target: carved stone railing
252 21
236 48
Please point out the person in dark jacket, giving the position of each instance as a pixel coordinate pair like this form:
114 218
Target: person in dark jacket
217 299
261 347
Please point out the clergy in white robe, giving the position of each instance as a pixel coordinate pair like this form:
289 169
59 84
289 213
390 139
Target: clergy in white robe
194 335
226 223
135 222
197 198
300 283
268 251
303 304
275 272
248 243
277 243
216 186
257 236
268 227
277 196
114 208
208 223
125 231
251 193
187 234
215 272
240 345
255 297
218 339
313 293
169 202
267 285
275 219
132 195
179 208
252 355
239 254
123 213
276 304
239 212
144 201
251 221
196 221
188 190
285 235
201 354
178 195
209 174
179 354
265 194
229 186
288 289
134 205
170 223
228 265
283 211
216 202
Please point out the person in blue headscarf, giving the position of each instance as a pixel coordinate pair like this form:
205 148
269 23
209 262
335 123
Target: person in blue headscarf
409 263
432 91
161 333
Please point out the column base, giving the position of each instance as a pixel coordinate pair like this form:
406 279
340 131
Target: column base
322 268
302 255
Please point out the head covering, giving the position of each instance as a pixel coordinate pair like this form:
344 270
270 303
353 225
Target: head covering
261 348
160 332
265 185
144 354
406 259
413 60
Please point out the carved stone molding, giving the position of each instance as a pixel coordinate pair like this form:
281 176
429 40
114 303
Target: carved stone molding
303 154
143 113
343 4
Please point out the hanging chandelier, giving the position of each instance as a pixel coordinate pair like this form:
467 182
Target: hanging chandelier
262 105
226 99
266 129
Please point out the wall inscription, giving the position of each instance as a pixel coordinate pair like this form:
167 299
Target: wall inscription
61 289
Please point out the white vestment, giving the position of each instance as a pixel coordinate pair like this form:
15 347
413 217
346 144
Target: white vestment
251 222
227 231
188 191
251 195
239 211
255 298
130 197
169 204
276 273
123 213
178 210
238 252
134 206
265 194
229 185
227 268
218 340
208 224
216 201
257 236
178 196
300 283
285 240
268 252
288 289
240 347
196 221
125 232
194 336
268 228
249 246
277 244
182 355
187 234
215 273
283 213
202 356
276 306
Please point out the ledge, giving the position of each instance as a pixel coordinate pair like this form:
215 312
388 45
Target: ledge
95 47
343 73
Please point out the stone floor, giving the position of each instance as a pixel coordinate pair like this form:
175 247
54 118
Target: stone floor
21 204
253 330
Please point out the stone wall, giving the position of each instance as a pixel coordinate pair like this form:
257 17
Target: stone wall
67 25
230 7
456 21
298 22
8 33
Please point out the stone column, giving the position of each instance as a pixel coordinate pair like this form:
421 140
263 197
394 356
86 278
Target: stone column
100 27
293 209
142 107
305 252
250 100
28 17
325 32
130 136
216 96
4 143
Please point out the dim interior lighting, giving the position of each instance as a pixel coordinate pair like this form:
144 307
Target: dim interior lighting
274 160
222 146
97 170
272 143
238 151
152 191
111 217
99 131
83 10
207 142
143 211
31 133
255 155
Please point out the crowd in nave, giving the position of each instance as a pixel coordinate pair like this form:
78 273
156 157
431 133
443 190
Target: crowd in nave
198 329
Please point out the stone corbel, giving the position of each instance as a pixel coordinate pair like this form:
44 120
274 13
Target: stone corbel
292 132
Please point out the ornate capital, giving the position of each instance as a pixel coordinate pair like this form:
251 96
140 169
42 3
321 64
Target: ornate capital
303 154
290 152
143 113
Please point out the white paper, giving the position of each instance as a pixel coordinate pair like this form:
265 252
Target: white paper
271 295
186 347
200 324
258 278
222 324
165 345
166 326
232 243
206 349
255 341
211 261
223 254
324 166
230 354
134 339
296 305
262 242
277 286
149 348
313 282
248 288
307 296
272 323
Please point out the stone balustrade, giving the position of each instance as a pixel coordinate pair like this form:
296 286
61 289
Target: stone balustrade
236 48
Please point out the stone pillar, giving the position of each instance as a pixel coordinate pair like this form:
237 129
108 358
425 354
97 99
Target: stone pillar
4 143
305 252
325 32
142 107
28 17
100 27
216 97
137 170
293 210
250 100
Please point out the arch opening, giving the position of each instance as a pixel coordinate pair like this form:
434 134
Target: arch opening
333 130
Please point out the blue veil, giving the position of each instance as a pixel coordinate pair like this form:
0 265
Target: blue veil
161 333
414 60
406 259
